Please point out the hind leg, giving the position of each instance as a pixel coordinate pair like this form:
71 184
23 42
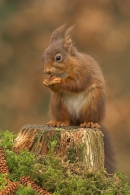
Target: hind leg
93 113
59 112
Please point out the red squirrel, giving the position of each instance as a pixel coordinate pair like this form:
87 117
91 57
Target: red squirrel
78 88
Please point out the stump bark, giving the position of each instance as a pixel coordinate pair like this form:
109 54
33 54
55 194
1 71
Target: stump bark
71 144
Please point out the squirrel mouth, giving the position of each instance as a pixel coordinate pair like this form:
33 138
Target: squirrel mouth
51 77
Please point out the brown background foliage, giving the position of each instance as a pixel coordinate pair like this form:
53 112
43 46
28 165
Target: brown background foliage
102 30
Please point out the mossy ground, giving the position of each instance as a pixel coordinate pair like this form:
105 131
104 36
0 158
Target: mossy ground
56 176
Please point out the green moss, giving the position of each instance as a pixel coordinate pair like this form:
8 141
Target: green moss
71 151
20 164
61 178
3 181
54 143
6 139
80 151
25 191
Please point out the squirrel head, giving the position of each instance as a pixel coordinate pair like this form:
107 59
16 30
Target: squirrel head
58 56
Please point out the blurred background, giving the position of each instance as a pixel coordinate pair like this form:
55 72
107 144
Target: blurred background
102 30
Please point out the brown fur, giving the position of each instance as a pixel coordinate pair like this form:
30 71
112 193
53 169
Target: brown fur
77 84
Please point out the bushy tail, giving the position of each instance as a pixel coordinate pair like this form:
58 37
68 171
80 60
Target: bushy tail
110 161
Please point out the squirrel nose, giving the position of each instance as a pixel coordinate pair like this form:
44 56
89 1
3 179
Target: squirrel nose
47 71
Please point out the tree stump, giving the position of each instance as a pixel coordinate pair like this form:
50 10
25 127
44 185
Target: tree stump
71 144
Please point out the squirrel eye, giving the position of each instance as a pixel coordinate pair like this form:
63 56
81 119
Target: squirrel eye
58 58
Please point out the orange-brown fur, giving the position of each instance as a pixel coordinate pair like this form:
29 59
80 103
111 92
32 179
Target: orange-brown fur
76 82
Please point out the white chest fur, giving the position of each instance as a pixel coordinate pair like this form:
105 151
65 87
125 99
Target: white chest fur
75 102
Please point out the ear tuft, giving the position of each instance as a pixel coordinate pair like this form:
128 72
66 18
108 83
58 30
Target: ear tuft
67 43
69 31
57 33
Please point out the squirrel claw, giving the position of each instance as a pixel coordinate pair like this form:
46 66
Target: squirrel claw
90 125
51 124
57 123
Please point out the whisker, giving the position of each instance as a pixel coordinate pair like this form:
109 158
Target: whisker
34 68
37 69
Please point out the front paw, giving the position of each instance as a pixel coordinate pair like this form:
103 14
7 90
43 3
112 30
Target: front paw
50 83
46 82
55 81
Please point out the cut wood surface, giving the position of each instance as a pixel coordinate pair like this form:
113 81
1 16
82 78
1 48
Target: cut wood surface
72 144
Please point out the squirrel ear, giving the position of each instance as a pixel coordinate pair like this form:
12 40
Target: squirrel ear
57 33
67 43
